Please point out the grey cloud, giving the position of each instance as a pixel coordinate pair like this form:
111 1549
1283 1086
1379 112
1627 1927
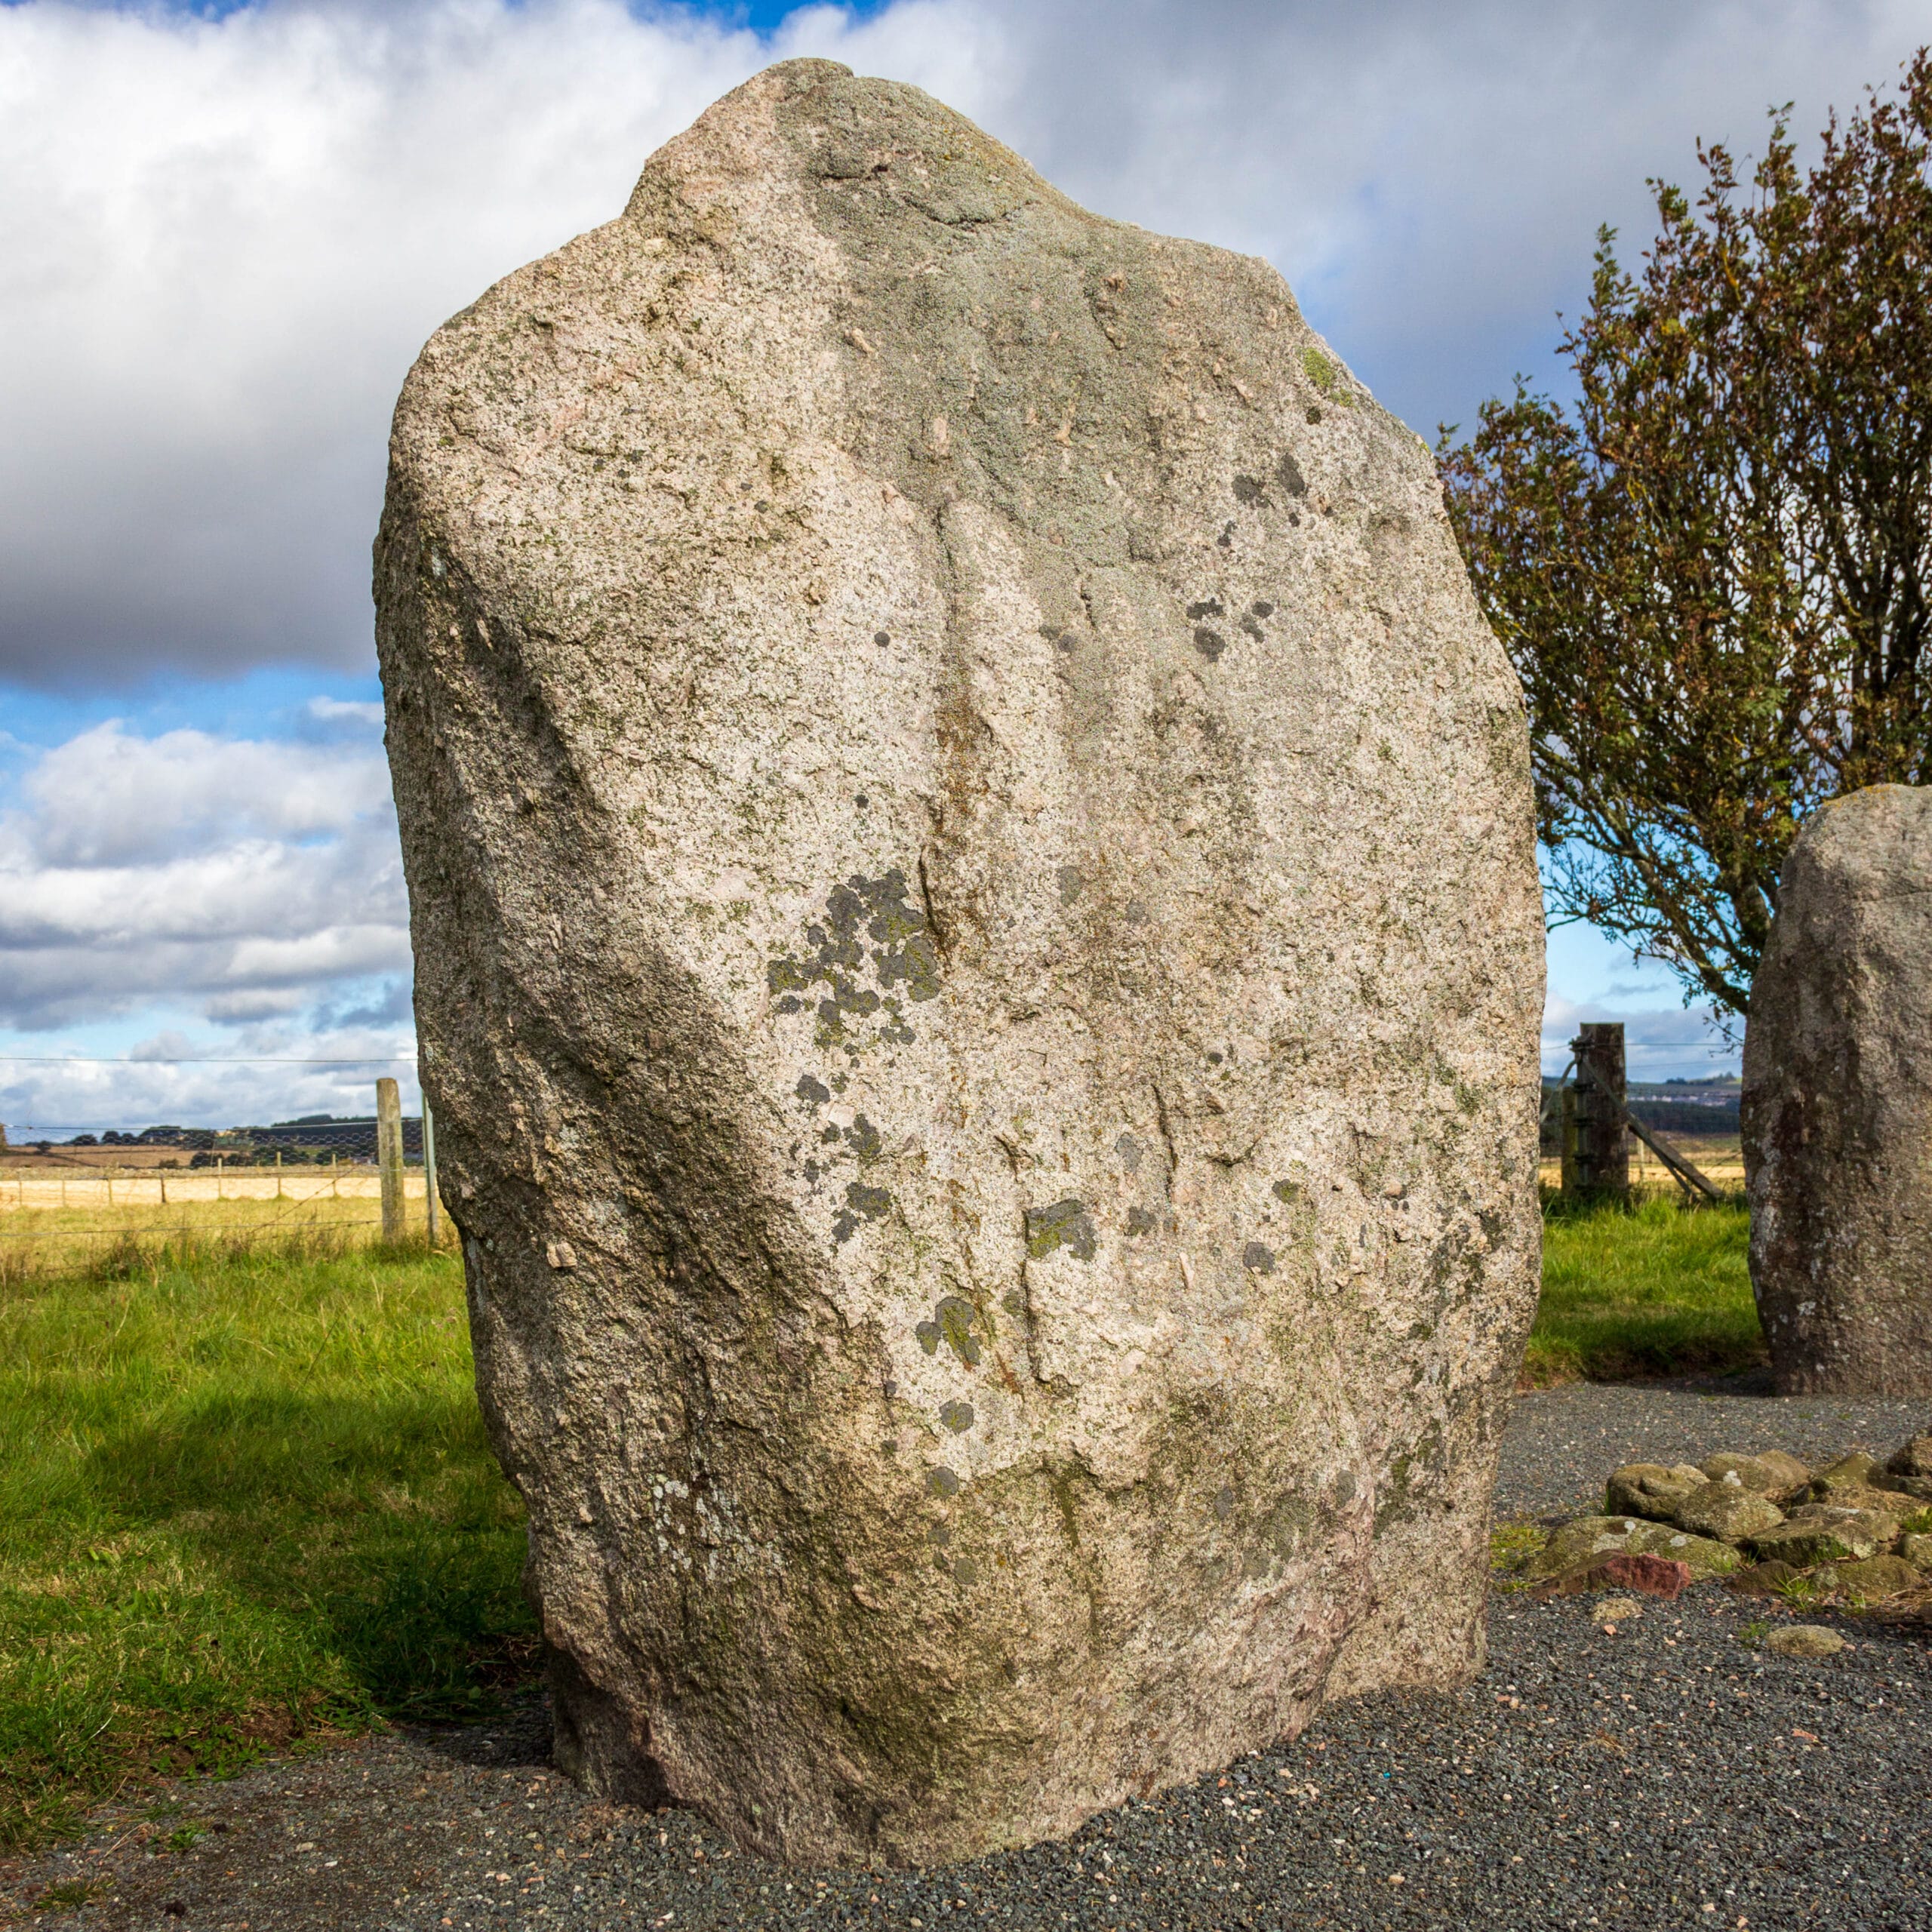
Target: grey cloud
221 244
220 249
250 1008
56 986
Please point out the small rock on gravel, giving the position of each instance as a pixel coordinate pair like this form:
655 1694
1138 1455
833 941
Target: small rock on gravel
1875 1578
1762 1579
1647 1489
1654 1576
1805 1640
1822 1533
1770 1474
1726 1512
1590 1538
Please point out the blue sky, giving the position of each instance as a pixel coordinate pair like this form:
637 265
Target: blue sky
225 230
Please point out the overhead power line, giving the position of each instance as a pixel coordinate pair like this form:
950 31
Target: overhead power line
198 1059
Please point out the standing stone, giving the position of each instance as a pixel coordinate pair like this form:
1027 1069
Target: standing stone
979 966
1837 1103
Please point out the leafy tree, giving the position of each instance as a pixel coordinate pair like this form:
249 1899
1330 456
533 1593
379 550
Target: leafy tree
1711 571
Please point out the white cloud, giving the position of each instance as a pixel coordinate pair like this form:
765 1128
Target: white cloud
1659 1043
106 797
250 876
222 240
334 714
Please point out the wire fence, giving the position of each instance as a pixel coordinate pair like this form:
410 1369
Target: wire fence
309 1179
27 1179
302 1163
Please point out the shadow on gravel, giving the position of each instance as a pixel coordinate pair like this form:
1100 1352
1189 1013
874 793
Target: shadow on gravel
516 1737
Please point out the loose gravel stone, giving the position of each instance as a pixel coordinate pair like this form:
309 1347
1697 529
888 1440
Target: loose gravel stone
1679 1772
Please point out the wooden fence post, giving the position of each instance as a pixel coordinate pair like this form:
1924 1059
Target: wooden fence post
433 1207
1596 1149
389 1155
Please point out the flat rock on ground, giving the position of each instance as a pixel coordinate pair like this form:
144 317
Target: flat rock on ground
1679 1772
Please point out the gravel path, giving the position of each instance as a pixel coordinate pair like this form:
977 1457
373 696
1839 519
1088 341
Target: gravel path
1671 1773
1563 1442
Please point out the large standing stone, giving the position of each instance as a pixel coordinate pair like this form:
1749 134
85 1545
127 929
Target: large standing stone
1838 1102
979 966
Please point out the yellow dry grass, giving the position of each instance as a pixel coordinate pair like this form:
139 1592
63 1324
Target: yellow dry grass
1719 1158
52 1221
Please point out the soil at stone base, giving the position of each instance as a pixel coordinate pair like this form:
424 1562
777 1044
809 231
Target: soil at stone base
1673 1772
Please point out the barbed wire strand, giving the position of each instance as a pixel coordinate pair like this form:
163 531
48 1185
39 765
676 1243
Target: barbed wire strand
204 1060
187 1227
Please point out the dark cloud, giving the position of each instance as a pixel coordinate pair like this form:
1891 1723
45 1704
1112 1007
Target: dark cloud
221 244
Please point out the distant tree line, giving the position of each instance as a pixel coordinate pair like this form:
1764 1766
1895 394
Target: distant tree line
315 1139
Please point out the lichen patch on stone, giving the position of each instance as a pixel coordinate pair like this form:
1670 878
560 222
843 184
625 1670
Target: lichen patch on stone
1066 1224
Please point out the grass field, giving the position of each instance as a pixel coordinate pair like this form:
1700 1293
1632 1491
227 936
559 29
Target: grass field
56 1222
245 1495
1654 1289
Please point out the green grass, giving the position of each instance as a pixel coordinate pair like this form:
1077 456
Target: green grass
1656 1289
244 1497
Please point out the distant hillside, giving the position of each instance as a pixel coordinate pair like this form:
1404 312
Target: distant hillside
1692 1117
